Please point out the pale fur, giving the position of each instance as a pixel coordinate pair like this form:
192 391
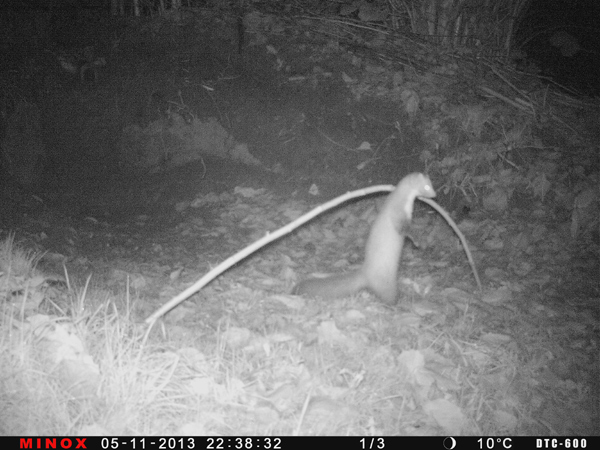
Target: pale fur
383 249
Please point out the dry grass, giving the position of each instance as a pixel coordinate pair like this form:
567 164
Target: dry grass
271 366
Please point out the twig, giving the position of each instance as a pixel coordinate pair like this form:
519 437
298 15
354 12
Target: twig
518 103
270 237
461 236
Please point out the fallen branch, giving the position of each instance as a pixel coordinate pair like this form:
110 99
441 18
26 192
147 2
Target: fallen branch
270 237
